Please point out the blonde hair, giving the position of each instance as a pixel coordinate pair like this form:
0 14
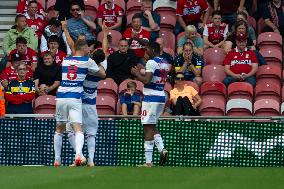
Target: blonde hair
189 29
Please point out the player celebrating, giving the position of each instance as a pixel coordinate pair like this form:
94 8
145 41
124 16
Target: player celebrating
154 100
69 98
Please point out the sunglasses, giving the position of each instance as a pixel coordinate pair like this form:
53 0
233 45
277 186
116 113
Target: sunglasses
75 10
179 78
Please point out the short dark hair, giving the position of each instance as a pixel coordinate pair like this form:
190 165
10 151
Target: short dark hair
21 40
216 12
54 38
155 47
19 16
54 22
31 2
73 3
187 44
99 56
79 44
243 14
47 53
137 15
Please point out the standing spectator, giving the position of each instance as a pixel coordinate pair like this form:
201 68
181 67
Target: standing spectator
273 15
189 64
150 19
111 14
215 33
79 23
10 73
193 37
241 64
34 20
62 8
20 93
54 28
53 45
185 99
137 37
20 29
191 12
47 76
119 63
22 7
27 55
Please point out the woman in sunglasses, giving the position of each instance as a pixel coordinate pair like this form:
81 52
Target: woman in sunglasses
184 98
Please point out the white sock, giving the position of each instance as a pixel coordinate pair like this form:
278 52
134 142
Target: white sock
148 146
159 142
91 143
71 137
79 142
57 145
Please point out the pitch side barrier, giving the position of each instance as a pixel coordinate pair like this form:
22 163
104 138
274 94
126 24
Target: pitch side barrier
191 141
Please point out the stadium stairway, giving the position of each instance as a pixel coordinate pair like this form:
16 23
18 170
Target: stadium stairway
7 19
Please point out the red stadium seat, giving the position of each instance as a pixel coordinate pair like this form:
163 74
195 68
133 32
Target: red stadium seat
242 90
91 4
266 107
168 21
252 22
45 105
123 86
262 27
269 39
213 73
269 71
214 56
120 3
272 55
50 4
267 89
215 88
107 88
212 107
239 107
92 13
169 39
133 5
105 105
116 36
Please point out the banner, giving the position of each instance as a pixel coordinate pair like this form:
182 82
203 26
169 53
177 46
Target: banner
120 143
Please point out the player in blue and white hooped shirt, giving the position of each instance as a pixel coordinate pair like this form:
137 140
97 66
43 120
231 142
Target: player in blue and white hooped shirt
154 100
69 98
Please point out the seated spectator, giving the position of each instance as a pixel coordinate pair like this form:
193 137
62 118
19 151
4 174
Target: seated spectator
130 100
150 19
47 76
241 27
19 29
241 64
273 15
192 36
27 55
22 7
215 33
20 93
79 23
111 14
54 28
63 10
53 45
191 13
10 73
137 37
34 20
189 64
120 63
185 99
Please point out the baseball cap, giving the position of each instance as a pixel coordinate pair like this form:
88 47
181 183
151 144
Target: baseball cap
242 37
15 57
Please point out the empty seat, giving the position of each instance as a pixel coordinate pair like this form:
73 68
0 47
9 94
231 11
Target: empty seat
91 4
133 5
267 89
107 88
120 3
214 56
252 22
215 88
168 21
239 107
105 105
123 86
266 107
239 90
169 39
271 72
212 107
116 36
261 26
269 39
50 4
213 73
272 55
45 105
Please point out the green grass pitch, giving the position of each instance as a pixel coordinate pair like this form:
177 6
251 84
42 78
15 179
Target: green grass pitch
144 178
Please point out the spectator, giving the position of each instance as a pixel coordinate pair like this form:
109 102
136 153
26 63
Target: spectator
19 29
79 23
27 55
54 28
241 27
62 8
20 93
163 54
137 37
241 64
22 7
215 33
47 76
120 63
273 15
10 73
34 20
193 37
189 64
191 13
185 99
130 100
150 19
111 14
